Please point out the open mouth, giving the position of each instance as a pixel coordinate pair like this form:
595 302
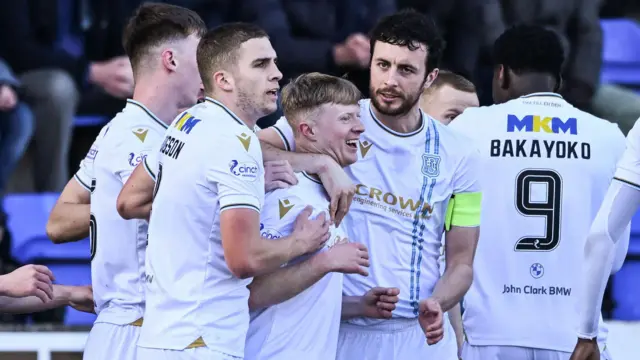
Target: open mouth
352 144
272 92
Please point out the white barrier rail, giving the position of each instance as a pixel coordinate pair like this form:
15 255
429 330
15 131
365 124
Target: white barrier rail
623 341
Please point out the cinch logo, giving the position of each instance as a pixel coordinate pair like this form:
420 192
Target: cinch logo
245 170
186 123
536 123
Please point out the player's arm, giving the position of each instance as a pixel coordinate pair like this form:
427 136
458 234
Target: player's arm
462 225
287 282
136 196
69 218
337 183
248 254
620 204
378 302
29 289
80 297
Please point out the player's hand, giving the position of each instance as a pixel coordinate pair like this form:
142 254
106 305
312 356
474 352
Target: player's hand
278 174
380 302
8 98
348 258
430 318
28 280
310 234
340 189
586 350
81 298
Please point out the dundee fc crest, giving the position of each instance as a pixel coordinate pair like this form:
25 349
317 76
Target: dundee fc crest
430 165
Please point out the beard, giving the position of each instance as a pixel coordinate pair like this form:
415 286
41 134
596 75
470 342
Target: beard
407 102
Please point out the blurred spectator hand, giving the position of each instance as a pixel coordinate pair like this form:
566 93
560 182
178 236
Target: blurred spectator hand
115 76
29 280
8 98
355 51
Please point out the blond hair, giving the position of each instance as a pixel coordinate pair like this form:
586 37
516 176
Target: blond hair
304 94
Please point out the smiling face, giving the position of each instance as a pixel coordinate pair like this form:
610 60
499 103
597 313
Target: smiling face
335 131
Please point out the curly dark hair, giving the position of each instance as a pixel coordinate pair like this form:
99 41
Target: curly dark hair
530 49
411 29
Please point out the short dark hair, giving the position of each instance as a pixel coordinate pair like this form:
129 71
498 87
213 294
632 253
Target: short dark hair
219 47
529 49
454 80
153 24
411 29
308 91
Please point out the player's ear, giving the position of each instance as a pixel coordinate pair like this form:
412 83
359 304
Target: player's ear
559 83
223 80
431 77
169 60
503 77
307 130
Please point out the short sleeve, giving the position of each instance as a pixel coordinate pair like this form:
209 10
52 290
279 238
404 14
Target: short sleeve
628 170
235 171
285 132
467 175
85 175
150 163
132 150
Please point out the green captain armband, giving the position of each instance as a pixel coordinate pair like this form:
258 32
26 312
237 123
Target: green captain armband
463 210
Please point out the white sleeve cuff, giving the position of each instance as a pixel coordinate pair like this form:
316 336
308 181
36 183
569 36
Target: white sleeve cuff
239 202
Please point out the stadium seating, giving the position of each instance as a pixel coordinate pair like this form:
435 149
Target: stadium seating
621 54
27 220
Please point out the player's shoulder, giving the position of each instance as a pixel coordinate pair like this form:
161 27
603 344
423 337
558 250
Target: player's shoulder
473 120
281 208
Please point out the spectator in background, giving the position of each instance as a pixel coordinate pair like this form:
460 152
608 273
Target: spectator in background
578 24
52 80
461 24
327 36
16 125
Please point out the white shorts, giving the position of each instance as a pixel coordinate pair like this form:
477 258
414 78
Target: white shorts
186 354
109 341
471 352
394 339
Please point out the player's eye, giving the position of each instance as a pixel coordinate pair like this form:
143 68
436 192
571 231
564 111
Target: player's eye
383 64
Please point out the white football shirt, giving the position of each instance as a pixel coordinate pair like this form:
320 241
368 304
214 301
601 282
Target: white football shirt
209 162
546 167
403 186
118 245
305 326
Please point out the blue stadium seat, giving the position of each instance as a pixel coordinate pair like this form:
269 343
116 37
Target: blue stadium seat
626 292
27 220
621 54
90 120
74 274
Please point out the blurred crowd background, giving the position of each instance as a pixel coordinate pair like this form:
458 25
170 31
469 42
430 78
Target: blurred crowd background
63 72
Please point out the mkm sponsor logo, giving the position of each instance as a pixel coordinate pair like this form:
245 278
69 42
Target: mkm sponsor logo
538 123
